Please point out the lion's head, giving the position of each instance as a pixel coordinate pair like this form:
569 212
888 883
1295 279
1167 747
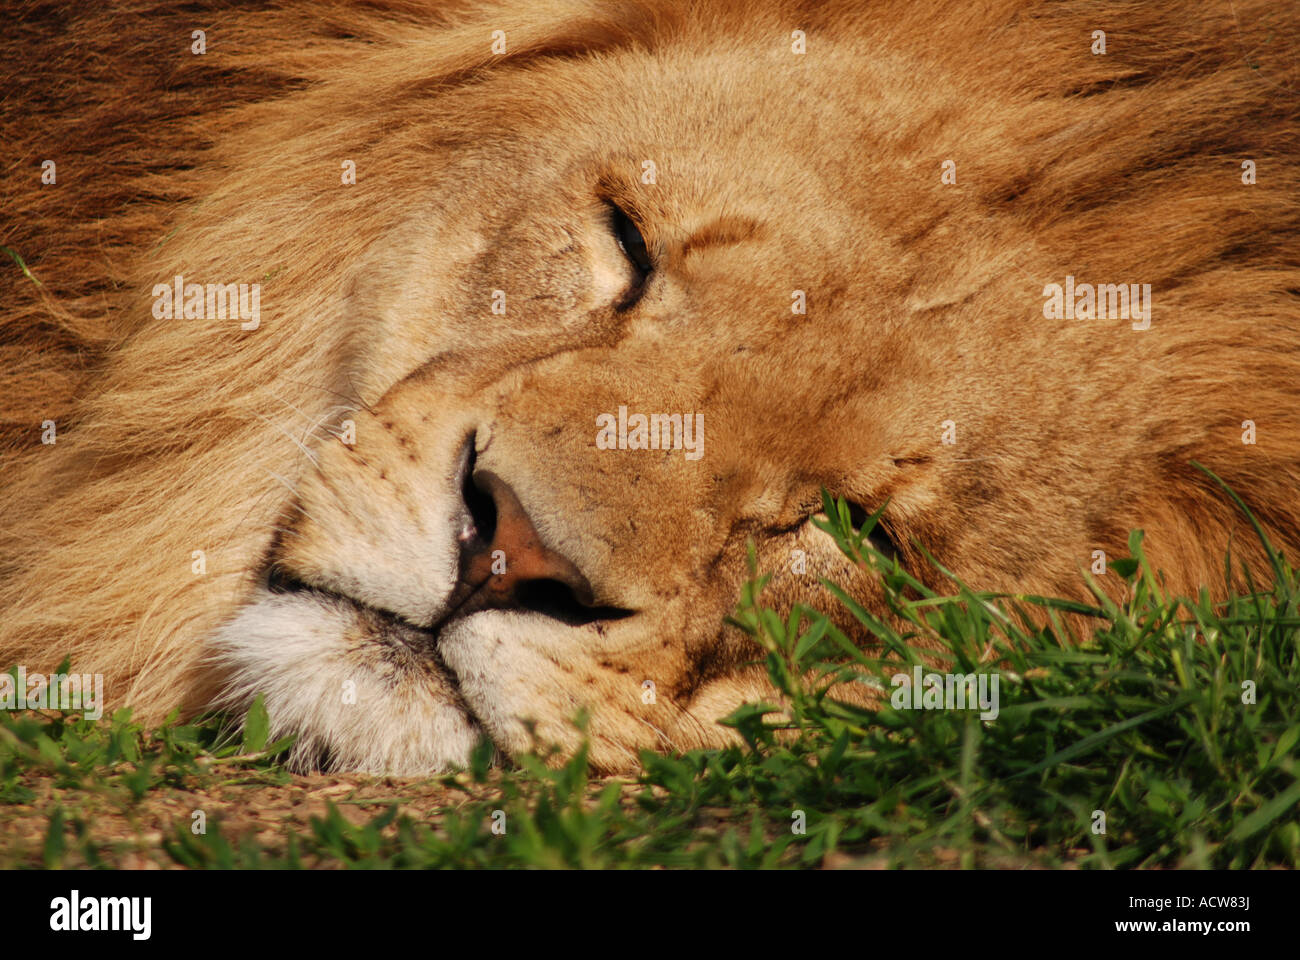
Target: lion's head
548 314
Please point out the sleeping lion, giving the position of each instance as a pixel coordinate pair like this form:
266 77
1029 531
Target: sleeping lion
427 366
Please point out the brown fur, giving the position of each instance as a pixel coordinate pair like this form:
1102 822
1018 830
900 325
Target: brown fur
777 172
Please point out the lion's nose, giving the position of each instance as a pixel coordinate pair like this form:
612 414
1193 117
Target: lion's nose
504 561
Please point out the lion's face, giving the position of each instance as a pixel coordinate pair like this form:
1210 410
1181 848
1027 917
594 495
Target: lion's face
546 505
600 312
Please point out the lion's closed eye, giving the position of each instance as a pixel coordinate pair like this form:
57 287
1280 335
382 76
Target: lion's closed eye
631 242
634 248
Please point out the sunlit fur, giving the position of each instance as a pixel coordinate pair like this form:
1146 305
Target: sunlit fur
776 172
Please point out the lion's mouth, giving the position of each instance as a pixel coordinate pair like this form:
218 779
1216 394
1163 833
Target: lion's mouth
375 675
281 582
362 687
549 598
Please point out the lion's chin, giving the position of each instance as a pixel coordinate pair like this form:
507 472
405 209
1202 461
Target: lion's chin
360 690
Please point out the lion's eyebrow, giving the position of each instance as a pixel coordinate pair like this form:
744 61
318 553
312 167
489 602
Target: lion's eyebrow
722 231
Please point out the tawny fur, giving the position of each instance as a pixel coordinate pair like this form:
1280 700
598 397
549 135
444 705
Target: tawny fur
924 297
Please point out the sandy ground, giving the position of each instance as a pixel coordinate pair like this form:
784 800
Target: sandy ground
240 806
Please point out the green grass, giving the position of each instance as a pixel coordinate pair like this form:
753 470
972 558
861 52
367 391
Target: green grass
1144 720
